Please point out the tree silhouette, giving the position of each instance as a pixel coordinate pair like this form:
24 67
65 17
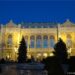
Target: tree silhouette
52 66
61 51
22 51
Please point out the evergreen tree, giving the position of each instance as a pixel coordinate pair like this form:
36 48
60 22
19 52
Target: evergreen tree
61 51
22 51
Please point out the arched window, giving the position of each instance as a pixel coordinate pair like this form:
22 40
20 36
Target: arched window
52 41
69 41
45 41
26 40
38 42
32 41
9 41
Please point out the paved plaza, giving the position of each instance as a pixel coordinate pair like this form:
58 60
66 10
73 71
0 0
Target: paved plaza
11 69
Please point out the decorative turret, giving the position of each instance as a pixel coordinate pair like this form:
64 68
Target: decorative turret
68 23
11 24
67 20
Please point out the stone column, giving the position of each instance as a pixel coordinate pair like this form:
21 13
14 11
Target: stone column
1 41
28 43
58 31
35 42
48 41
42 41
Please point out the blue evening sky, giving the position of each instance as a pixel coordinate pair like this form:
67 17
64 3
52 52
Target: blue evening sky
37 11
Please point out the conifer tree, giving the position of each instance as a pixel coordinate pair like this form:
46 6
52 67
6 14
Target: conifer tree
22 51
61 50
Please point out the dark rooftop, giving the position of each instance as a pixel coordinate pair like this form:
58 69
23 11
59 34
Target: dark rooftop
38 25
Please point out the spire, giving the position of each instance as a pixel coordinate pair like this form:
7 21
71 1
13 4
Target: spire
11 21
67 20
67 23
10 24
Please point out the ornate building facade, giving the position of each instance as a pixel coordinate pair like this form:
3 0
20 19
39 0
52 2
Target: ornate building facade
40 38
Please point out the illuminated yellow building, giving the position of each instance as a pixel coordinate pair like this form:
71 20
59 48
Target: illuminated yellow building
40 38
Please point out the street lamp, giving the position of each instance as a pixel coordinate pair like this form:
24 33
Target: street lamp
58 32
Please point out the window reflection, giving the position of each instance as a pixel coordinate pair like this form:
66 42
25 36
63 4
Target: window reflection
32 41
45 41
38 41
52 41
9 41
69 41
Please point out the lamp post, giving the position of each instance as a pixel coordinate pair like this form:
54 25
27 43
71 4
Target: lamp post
58 32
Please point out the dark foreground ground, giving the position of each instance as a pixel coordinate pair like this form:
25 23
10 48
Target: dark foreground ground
51 68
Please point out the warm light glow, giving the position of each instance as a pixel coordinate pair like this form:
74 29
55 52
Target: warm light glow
69 51
63 37
38 55
18 38
29 56
8 56
51 54
59 35
45 55
16 49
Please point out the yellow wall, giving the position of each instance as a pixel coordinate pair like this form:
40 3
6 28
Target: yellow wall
17 35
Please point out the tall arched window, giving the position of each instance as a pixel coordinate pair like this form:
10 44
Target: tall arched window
45 41
52 41
9 41
38 42
69 41
32 41
26 40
